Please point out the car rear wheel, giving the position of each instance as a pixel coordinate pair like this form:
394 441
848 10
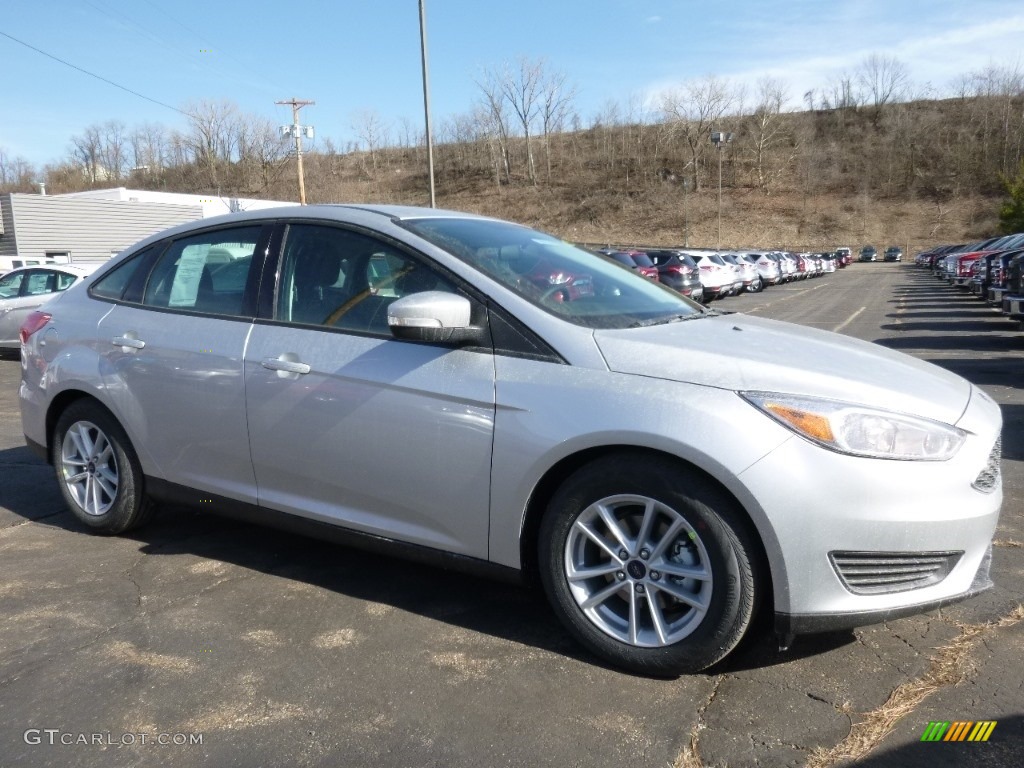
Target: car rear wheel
648 565
98 471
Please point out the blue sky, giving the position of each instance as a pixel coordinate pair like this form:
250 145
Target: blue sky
355 56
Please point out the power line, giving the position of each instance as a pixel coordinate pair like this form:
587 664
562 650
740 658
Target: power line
93 74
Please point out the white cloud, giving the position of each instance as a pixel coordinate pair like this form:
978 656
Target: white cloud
938 58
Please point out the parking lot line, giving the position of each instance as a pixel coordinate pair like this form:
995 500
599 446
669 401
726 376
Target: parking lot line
848 320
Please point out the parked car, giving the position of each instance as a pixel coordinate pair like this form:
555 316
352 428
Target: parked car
767 267
868 253
678 270
386 376
718 278
844 255
999 276
749 277
1013 299
25 289
893 253
635 260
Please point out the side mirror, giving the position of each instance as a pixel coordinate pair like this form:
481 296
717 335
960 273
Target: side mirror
434 316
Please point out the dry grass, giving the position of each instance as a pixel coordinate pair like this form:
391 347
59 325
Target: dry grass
1012 543
690 756
949 666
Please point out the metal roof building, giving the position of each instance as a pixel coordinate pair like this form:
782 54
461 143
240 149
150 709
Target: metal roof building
95 225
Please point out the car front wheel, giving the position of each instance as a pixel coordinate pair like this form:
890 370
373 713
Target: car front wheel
648 565
98 471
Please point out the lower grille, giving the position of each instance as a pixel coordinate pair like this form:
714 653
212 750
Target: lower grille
988 479
877 573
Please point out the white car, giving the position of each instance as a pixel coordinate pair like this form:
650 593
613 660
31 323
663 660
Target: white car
26 289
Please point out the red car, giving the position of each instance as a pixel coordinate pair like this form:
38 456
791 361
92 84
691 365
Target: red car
635 260
559 284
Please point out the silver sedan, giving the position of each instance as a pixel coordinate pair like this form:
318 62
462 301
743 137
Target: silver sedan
25 289
420 381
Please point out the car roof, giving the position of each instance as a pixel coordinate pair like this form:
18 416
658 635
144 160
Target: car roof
80 270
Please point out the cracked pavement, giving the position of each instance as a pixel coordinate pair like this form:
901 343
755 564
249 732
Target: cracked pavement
283 650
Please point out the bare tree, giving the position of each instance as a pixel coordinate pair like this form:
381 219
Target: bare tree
16 173
556 99
372 132
149 147
213 136
496 124
261 148
765 130
521 86
884 80
113 149
86 152
693 111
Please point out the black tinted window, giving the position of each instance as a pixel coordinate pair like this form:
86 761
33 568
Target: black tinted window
112 285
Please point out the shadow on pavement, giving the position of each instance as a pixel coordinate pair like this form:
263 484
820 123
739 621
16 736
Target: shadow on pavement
508 611
1005 747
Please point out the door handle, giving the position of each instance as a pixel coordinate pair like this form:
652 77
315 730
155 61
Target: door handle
288 366
127 341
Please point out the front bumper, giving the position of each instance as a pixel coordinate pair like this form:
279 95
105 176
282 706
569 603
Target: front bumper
810 623
878 507
1014 307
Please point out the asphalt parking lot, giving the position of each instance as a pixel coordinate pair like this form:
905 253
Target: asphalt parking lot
272 649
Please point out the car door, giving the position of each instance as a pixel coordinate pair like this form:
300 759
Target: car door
173 350
351 426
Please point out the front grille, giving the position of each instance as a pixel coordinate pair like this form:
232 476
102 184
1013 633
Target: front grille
877 573
988 478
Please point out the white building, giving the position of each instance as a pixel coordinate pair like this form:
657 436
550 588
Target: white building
95 225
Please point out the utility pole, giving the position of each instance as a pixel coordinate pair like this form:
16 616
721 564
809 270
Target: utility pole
297 131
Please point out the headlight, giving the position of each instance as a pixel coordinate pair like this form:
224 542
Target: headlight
858 430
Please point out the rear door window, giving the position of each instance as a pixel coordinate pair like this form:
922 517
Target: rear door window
204 273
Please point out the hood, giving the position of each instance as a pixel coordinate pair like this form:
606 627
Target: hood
740 352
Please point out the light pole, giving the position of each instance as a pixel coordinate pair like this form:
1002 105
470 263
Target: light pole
718 138
686 216
426 102
686 213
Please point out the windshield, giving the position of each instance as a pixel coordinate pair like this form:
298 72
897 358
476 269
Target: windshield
581 287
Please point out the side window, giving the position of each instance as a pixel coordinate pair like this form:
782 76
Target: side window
10 285
64 281
40 281
112 285
341 279
204 273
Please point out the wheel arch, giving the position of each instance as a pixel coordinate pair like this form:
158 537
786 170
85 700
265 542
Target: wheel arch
58 405
549 483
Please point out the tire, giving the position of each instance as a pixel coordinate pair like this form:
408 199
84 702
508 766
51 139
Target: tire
693 530
756 286
98 470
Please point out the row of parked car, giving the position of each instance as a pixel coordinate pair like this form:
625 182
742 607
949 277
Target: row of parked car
706 275
991 269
